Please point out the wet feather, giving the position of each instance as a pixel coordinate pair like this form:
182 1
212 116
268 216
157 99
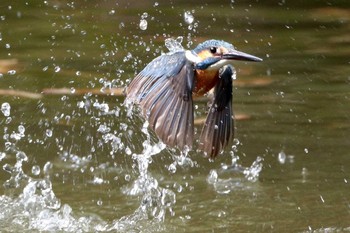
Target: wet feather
163 89
218 128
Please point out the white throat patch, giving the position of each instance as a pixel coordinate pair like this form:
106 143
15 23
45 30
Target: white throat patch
219 64
192 57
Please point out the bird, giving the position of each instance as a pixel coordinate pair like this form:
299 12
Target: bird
165 88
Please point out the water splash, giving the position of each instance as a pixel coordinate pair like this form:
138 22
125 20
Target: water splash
174 45
17 174
155 200
36 207
181 160
252 173
229 177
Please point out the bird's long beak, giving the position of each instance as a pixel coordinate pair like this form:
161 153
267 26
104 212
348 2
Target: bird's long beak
227 58
237 55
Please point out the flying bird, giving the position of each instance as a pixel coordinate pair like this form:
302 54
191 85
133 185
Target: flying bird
164 90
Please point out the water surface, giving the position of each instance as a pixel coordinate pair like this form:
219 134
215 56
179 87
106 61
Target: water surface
73 160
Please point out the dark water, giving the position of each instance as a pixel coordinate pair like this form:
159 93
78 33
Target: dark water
73 160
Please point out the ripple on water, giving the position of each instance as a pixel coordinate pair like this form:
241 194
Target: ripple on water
232 177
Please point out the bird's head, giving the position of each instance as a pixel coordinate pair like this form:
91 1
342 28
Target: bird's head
214 54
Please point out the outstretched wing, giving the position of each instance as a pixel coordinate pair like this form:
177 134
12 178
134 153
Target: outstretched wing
218 129
163 89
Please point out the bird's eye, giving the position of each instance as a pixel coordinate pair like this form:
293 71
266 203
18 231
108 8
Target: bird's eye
212 50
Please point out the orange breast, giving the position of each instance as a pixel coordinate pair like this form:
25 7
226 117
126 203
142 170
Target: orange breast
205 80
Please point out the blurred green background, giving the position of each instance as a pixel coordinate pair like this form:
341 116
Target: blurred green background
60 62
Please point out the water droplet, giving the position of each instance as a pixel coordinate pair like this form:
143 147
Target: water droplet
104 108
281 157
123 126
81 104
233 73
189 18
321 198
6 109
11 72
179 189
21 156
2 155
35 170
143 24
99 202
49 133
97 180
128 151
47 167
8 120
172 168
21 130
156 4
57 69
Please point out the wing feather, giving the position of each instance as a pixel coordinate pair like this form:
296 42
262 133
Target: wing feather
218 129
163 89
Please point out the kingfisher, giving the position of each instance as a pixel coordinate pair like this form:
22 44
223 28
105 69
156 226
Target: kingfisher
165 88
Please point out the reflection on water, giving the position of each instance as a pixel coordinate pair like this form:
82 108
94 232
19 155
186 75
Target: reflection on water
75 159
